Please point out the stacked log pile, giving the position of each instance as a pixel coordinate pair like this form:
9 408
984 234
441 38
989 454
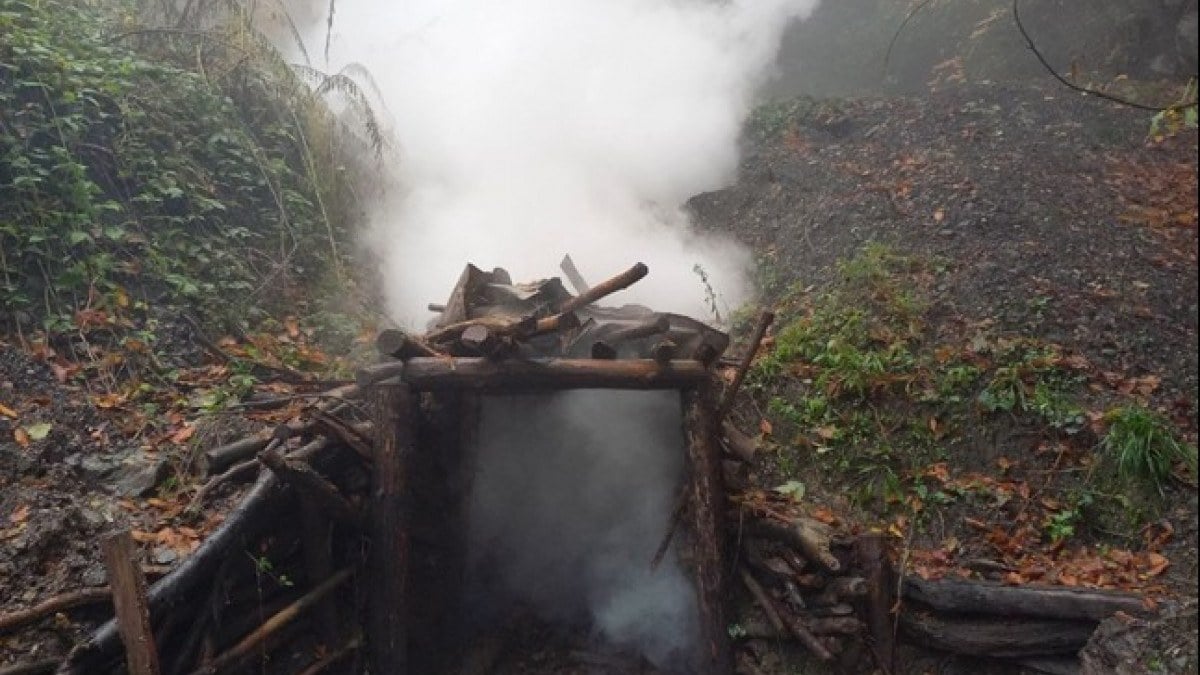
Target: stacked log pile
317 551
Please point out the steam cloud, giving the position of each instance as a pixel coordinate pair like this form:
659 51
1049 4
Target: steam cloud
571 499
532 128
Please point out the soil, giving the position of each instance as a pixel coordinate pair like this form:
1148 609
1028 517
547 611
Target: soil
1053 214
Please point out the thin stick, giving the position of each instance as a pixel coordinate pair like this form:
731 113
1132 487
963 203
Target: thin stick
58 603
277 621
676 517
760 330
333 657
42 667
794 628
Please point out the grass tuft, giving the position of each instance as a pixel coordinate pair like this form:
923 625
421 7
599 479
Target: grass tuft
1142 446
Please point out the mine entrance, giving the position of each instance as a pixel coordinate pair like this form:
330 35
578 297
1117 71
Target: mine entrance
572 495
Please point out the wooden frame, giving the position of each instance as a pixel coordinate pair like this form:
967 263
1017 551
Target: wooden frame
461 379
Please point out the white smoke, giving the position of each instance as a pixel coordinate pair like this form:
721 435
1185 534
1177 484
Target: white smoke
571 498
532 128
527 129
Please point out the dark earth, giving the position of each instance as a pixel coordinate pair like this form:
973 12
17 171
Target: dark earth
1060 219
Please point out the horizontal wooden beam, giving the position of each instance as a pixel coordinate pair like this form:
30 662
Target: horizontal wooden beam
514 374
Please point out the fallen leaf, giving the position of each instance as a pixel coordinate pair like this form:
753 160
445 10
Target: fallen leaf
939 215
765 427
1158 564
39 431
180 437
20 515
8 412
828 432
793 489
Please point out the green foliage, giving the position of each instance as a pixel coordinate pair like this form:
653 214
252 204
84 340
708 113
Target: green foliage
1031 381
1142 447
175 165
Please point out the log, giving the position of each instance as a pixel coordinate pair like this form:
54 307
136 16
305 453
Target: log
870 552
706 511
247 647
1055 602
603 351
257 510
577 282
996 637
311 485
810 537
664 544
605 288
396 344
760 330
784 623
129 600
485 374
41 667
739 445
663 351
435 307
225 456
333 657
54 605
478 340
395 416
553 324
370 375
658 326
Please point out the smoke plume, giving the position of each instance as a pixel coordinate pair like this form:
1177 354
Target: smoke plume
528 129
572 495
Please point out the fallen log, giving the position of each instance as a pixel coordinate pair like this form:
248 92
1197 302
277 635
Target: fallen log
311 485
663 351
54 605
738 444
1053 602
375 373
995 636
777 618
485 374
257 510
605 288
246 647
810 537
42 667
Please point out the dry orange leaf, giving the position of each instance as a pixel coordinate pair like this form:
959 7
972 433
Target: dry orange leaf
764 425
20 515
8 412
180 437
21 436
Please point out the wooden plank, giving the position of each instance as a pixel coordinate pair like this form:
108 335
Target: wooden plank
605 288
870 552
996 637
568 267
487 374
706 510
129 598
395 416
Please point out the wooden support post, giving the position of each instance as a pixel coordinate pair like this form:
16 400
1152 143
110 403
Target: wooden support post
706 510
871 555
395 412
317 537
129 599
